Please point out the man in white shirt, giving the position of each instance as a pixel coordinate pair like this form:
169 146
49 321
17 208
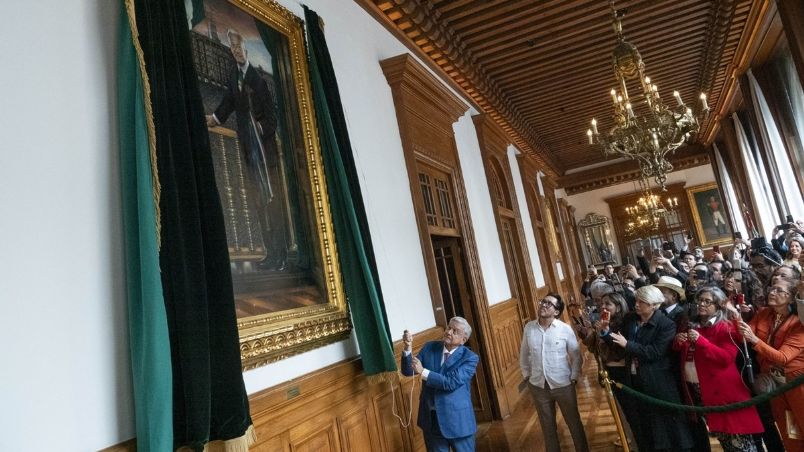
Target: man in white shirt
550 359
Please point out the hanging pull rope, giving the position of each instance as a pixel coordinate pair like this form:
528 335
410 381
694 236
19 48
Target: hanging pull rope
710 409
404 422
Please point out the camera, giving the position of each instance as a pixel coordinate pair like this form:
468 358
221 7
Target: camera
738 235
667 246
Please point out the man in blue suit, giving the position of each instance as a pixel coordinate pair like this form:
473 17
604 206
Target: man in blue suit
446 415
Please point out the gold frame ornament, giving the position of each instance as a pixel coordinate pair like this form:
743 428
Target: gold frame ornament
706 240
270 337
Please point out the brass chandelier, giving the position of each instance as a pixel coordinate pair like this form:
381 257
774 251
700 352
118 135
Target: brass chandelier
645 217
658 130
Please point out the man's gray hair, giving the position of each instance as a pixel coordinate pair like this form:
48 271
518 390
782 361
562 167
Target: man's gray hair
232 32
650 294
598 288
467 330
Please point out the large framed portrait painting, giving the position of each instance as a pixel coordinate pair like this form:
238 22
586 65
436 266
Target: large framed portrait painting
709 215
252 76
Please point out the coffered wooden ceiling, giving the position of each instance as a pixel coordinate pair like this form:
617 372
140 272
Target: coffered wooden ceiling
543 69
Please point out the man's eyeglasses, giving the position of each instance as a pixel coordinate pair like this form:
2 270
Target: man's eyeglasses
547 303
778 290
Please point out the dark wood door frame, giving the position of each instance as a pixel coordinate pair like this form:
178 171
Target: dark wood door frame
426 111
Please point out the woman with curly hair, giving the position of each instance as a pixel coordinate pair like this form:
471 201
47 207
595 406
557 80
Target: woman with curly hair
708 355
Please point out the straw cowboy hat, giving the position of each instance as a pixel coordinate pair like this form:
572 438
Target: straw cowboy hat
668 282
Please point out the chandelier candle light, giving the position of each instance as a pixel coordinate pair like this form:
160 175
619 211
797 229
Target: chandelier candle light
657 131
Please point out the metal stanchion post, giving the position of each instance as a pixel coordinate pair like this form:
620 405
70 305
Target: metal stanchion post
613 407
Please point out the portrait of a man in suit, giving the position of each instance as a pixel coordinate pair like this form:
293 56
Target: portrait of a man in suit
248 97
446 415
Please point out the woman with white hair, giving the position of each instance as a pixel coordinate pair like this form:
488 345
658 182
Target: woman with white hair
646 337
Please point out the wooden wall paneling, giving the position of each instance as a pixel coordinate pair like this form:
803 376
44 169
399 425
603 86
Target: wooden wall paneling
508 338
335 409
392 436
356 432
426 110
276 443
316 433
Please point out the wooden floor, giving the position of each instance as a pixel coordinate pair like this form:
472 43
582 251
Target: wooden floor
521 431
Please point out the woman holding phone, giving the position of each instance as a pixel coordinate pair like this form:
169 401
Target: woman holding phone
778 339
708 354
646 338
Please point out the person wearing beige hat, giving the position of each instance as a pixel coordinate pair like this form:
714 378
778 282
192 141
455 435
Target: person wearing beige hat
674 294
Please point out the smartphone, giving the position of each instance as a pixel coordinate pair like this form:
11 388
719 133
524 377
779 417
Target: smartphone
716 249
789 219
700 274
605 315
738 235
689 236
657 252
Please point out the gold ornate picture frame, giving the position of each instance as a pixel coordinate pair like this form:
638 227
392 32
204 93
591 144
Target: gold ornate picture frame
252 74
709 216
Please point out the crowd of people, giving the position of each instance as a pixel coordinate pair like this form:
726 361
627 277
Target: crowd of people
707 329
684 326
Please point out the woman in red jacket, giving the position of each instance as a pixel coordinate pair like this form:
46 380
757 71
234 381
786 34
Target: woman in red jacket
708 353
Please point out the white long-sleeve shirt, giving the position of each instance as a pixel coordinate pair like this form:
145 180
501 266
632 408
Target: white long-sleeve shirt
550 354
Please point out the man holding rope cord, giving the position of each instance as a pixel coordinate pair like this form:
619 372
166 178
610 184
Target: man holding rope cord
446 415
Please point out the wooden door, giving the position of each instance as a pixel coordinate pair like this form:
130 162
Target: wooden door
456 302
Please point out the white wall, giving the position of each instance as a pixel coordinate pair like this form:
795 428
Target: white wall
527 225
481 209
594 201
64 383
64 326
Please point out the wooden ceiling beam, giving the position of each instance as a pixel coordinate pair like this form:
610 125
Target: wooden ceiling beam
651 42
584 25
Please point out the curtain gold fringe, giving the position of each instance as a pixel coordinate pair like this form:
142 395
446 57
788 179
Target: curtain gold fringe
239 444
384 377
149 118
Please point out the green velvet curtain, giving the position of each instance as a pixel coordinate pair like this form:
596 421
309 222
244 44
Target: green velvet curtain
361 281
209 397
148 331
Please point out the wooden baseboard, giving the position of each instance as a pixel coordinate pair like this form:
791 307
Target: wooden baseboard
126 446
334 409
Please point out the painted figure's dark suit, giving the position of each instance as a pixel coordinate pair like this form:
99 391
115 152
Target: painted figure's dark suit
446 415
247 95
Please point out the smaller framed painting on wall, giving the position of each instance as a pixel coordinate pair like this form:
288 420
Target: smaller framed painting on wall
709 215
